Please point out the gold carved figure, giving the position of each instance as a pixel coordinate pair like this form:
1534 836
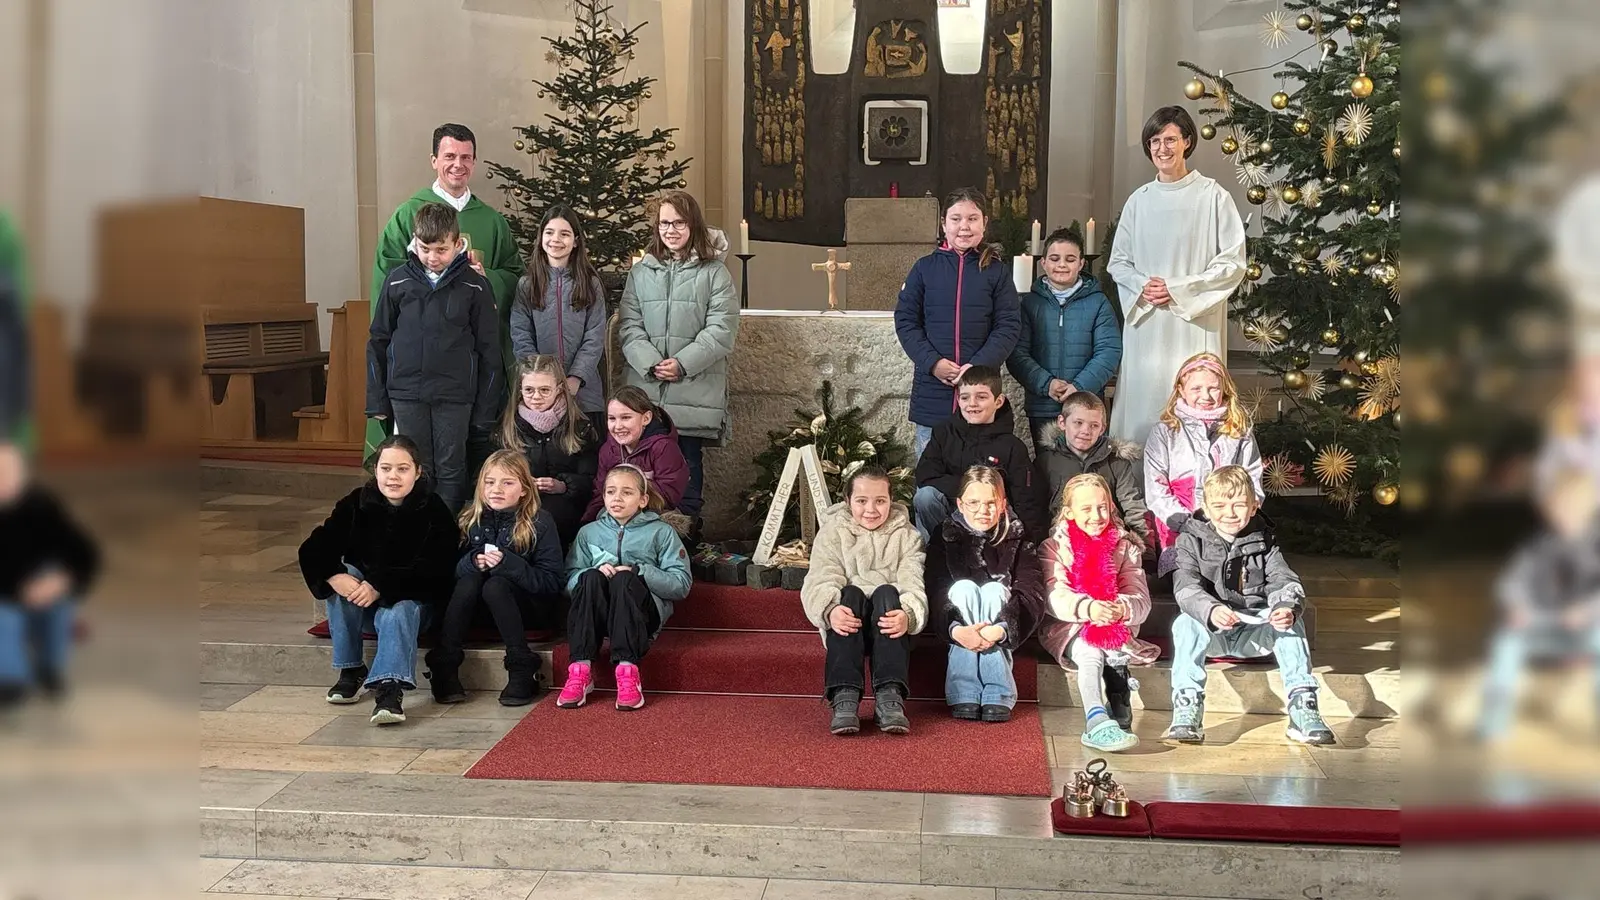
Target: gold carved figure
776 43
1016 48
788 151
756 200
771 207
874 64
800 140
994 53
988 185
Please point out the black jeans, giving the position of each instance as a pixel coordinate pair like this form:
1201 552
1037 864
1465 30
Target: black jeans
440 430
693 449
619 607
891 657
513 610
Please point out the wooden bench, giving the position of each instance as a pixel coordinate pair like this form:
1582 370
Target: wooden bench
262 362
341 418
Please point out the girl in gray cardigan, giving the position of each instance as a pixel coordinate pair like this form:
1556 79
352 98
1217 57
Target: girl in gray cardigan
560 310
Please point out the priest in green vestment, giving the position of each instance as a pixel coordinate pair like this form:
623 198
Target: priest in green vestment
484 229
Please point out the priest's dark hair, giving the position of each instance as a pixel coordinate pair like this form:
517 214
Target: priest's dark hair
457 132
987 253
585 281
435 222
684 204
1161 118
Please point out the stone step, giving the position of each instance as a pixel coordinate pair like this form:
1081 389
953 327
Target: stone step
1229 688
280 479
904 838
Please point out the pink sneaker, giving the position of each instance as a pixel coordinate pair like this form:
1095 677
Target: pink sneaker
575 692
630 693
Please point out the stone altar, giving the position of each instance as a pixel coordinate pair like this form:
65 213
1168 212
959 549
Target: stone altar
779 362
883 237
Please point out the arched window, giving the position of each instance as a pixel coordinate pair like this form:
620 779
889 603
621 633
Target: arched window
832 25
961 35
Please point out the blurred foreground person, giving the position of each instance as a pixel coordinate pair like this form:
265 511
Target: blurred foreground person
46 565
1550 595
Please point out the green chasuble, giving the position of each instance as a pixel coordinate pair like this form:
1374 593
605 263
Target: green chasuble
486 231
13 262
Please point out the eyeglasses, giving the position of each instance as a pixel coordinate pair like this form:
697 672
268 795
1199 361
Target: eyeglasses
536 391
673 225
1168 143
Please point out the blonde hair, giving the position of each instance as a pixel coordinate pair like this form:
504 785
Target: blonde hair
1228 482
994 478
654 502
571 428
1236 423
523 534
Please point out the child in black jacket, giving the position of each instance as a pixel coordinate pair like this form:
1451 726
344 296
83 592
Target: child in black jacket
383 560
544 423
433 358
513 565
47 565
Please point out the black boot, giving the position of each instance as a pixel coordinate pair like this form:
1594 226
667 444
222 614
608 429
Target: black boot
348 688
846 703
1119 695
522 678
444 674
891 710
386 703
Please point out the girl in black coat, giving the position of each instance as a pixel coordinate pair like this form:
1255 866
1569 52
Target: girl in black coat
385 556
513 565
985 574
546 425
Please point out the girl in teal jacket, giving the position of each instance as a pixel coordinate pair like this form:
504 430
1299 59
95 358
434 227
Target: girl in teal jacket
625 571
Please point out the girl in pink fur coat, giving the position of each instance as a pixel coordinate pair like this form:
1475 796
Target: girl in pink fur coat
1098 599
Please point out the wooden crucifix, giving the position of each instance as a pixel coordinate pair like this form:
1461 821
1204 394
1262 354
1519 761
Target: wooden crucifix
833 267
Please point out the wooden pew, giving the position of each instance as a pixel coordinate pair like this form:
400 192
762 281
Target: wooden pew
341 418
262 362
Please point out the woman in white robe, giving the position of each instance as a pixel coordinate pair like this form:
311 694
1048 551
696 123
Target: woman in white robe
1178 255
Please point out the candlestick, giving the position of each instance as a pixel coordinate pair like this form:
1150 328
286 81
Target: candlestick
744 277
1088 238
744 236
1036 238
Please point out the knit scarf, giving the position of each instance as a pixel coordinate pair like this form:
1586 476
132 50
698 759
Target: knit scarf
547 421
1094 572
1208 416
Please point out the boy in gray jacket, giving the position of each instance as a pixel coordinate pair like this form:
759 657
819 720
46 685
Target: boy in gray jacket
1239 598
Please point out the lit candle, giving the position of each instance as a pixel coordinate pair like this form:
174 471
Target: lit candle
744 236
1022 272
1088 237
1036 237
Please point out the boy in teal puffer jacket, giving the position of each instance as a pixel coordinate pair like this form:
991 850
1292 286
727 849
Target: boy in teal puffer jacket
1071 340
625 571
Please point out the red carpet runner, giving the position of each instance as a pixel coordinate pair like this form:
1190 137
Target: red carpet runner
747 711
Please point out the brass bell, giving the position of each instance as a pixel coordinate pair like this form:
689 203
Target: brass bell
1115 803
1079 806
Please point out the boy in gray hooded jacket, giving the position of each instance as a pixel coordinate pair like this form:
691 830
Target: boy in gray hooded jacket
1239 598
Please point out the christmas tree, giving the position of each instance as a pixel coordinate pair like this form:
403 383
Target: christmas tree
1320 304
589 154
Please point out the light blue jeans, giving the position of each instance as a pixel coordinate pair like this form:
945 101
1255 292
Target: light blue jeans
984 678
397 626
1193 642
1508 657
920 436
34 640
932 508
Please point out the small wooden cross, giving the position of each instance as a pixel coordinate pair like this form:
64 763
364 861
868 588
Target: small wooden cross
833 267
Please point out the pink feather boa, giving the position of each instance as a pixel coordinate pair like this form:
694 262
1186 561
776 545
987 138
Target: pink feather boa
1094 572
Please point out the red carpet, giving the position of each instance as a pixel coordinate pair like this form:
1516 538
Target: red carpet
769 742
1137 823
1572 821
1275 824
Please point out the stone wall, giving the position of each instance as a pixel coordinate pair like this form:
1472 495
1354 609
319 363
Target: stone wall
779 363
884 238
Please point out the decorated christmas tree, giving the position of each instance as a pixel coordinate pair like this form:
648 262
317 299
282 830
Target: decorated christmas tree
1320 305
844 445
590 154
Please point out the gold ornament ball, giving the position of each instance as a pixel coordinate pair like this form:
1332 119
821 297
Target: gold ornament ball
1369 368
1356 23
1395 150
1300 241
1302 269
1345 189
1361 87
1265 146
1374 208
1291 194
1194 89
1280 100
1348 382
1300 360
518 144
1304 22
1295 380
1387 274
1229 146
671 146
1360 356
1330 46
1386 494
1350 139
1253 271
1329 180
1256 194
1301 127
1331 337
1208 131
1310 251
1352 271
1369 256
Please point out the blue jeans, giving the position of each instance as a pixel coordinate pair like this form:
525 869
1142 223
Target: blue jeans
34 640
984 678
1193 642
1508 656
693 495
931 508
920 436
397 626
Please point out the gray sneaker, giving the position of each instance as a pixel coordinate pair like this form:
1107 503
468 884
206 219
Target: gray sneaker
891 711
1188 712
1305 722
846 711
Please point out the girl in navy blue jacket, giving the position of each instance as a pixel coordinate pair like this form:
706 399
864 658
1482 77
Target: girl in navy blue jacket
957 308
